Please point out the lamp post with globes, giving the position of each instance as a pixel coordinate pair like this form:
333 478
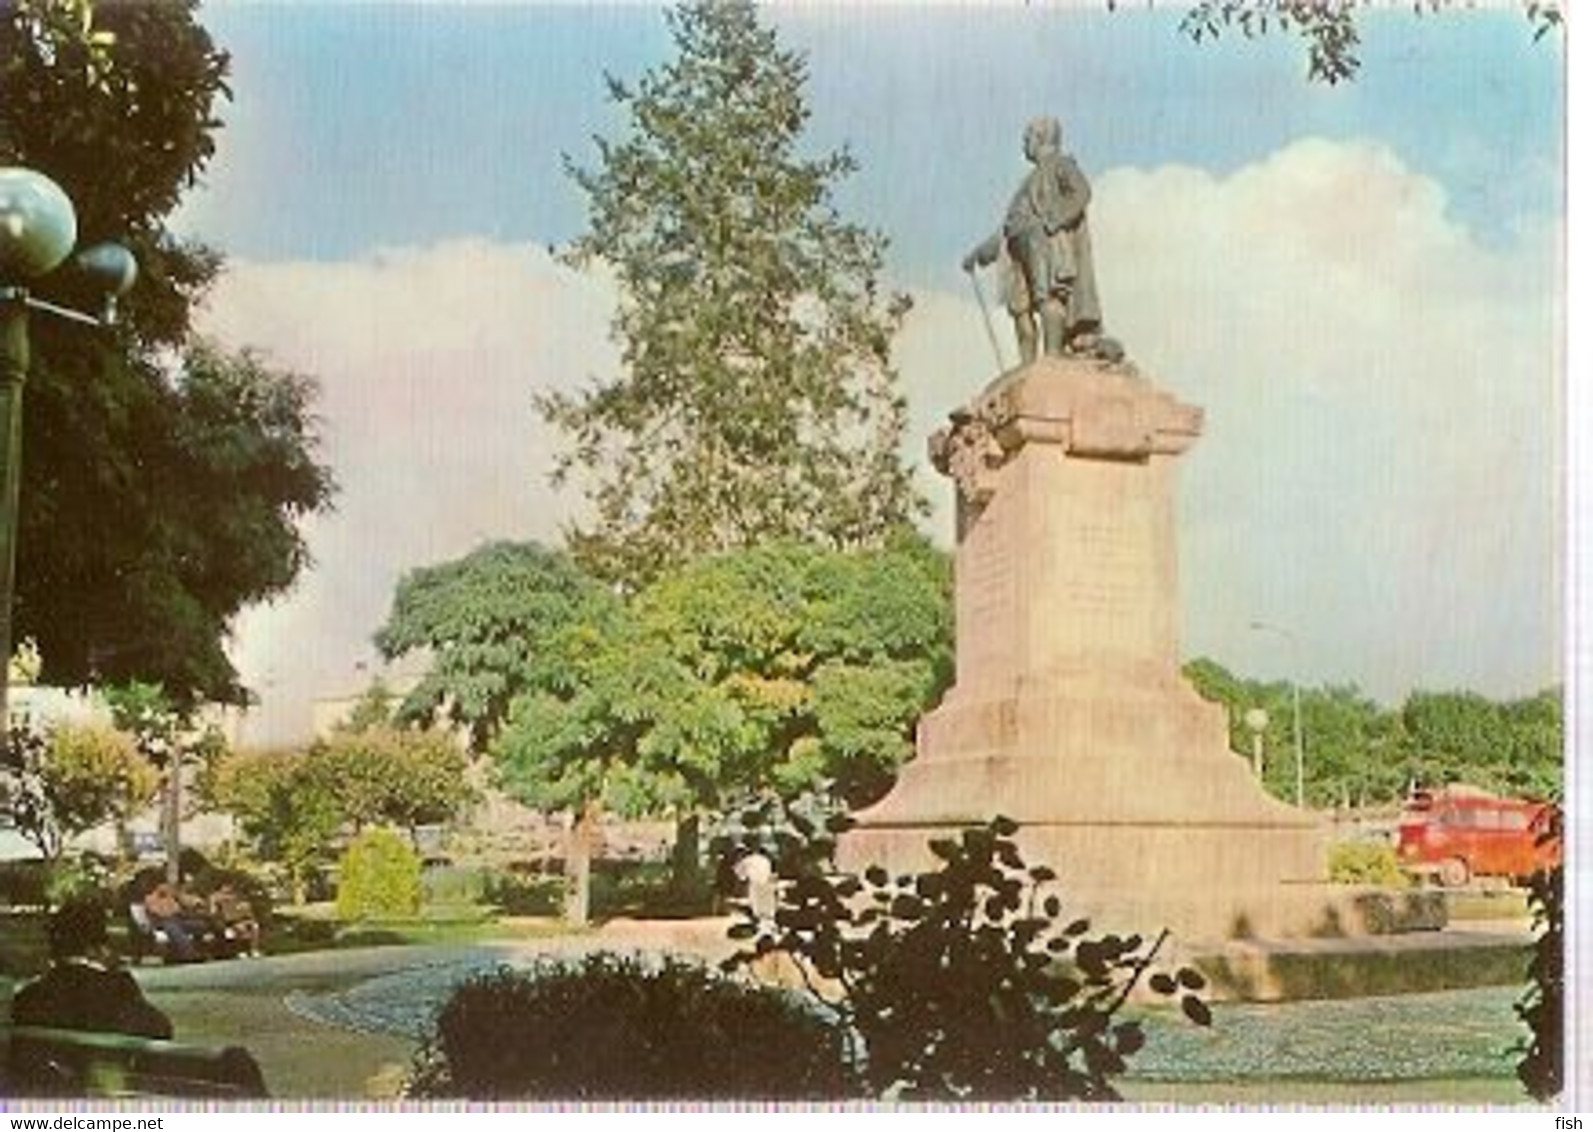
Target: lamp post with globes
1294 683
38 230
1256 721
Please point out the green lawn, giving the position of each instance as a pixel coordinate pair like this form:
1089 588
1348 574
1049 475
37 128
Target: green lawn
301 1058
315 927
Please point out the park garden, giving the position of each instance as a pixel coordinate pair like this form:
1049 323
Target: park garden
723 659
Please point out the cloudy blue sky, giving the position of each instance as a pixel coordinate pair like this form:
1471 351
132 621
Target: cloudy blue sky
1360 285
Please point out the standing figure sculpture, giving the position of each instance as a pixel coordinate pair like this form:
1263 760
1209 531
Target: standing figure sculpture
1047 274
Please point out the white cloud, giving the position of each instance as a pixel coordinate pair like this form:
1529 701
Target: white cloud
427 360
1379 469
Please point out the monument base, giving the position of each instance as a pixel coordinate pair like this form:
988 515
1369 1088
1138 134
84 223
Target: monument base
1070 714
1130 795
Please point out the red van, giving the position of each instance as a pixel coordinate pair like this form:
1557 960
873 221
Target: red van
1460 833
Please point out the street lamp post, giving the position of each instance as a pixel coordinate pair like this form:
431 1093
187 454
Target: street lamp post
38 229
1294 683
1256 720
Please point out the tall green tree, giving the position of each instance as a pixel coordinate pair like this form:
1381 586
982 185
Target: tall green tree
163 478
1533 760
769 669
757 398
483 622
167 738
393 776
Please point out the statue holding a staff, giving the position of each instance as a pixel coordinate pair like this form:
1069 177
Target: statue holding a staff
1043 247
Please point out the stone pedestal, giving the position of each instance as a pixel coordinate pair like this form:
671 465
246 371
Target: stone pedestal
1070 713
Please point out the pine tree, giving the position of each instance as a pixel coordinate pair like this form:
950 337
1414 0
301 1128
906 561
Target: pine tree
757 398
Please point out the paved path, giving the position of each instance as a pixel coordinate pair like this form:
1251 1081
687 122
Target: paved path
389 994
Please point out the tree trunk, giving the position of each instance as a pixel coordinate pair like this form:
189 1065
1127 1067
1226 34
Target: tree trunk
172 819
578 866
124 840
685 860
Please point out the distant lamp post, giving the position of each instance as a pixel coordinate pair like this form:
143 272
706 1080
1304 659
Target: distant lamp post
1294 683
1256 720
38 229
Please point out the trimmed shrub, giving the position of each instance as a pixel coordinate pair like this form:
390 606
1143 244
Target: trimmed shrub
1357 862
379 878
611 1027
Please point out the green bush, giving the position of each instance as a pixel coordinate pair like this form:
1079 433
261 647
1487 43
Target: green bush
515 894
379 878
647 890
24 883
87 876
964 983
453 886
609 1027
1359 862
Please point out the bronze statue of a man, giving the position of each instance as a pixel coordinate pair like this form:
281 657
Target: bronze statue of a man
1047 272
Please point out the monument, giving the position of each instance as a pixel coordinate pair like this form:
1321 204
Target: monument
1070 713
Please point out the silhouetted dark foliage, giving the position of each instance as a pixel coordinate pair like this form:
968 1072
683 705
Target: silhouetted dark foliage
164 478
1330 29
1542 1065
965 982
610 1027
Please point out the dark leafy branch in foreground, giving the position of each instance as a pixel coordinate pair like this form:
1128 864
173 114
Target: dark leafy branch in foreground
1541 1069
964 982
1329 28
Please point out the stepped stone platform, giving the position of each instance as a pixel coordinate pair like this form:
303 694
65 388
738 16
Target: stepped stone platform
1070 713
1416 962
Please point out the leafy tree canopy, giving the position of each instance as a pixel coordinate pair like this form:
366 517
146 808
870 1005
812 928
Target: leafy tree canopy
485 621
351 780
1514 748
163 478
387 775
295 804
1331 31
376 707
63 782
771 668
1357 751
757 399
282 807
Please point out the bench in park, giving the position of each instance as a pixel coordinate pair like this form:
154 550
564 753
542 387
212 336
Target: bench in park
43 1062
212 939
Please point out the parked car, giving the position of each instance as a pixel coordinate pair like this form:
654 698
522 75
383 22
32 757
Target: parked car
1458 834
